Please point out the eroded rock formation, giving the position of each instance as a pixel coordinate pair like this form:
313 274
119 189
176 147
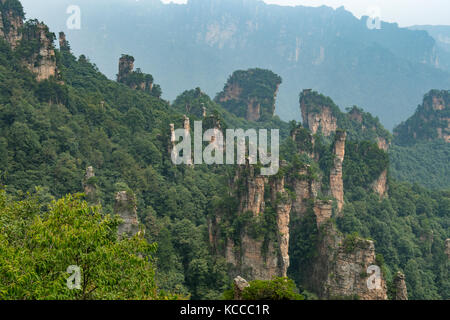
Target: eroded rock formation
11 22
380 185
401 293
136 80
323 210
336 182
430 121
340 268
250 94
89 185
43 61
34 37
253 255
318 113
239 286
125 207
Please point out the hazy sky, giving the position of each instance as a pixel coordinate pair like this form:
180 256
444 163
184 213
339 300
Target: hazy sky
404 12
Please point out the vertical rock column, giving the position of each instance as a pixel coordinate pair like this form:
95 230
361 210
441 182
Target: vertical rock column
125 207
401 293
90 189
283 205
336 182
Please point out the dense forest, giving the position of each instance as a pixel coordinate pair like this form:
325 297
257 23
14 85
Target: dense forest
52 130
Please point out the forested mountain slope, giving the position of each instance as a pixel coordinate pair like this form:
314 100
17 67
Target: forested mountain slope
202 42
67 128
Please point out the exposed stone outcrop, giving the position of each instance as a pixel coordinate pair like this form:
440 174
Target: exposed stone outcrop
11 22
89 186
252 256
430 121
323 210
318 113
63 43
336 182
304 188
136 80
401 293
43 62
250 94
126 67
239 286
383 144
340 269
125 207
380 185
253 199
283 205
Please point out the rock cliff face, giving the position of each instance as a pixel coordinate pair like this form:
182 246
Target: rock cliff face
323 211
43 62
304 188
431 120
239 286
34 37
250 94
380 185
340 268
11 22
126 67
283 205
125 207
89 186
401 293
321 114
318 113
257 256
136 80
336 182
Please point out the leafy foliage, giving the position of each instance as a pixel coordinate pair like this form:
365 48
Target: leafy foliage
37 247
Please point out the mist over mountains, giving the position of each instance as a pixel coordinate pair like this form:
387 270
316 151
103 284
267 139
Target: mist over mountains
384 71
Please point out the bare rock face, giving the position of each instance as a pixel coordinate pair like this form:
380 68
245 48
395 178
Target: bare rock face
125 207
90 189
126 66
430 121
340 268
401 293
42 63
42 60
250 94
304 188
336 182
383 144
380 185
252 257
62 40
280 197
239 286
11 24
318 113
323 211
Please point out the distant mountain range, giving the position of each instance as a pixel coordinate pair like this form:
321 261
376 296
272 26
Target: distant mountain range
384 71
